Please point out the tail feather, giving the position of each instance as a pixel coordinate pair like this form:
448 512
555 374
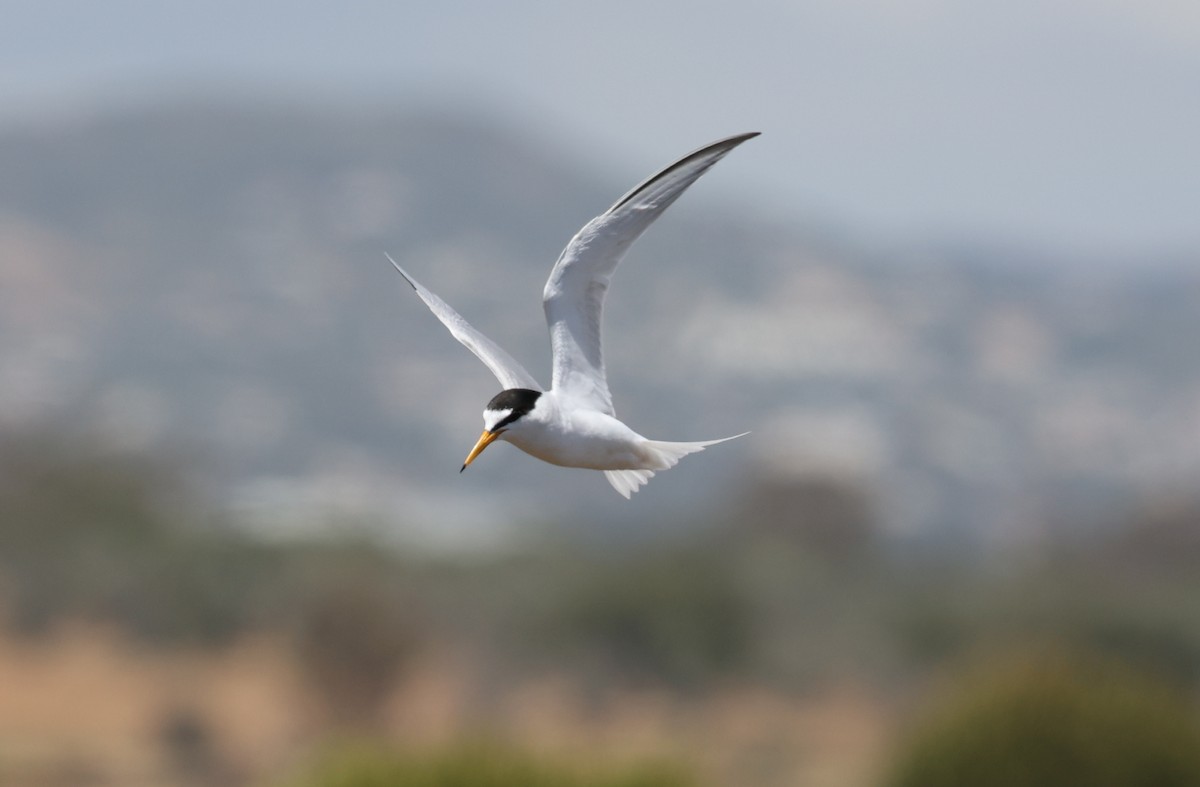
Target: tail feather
626 482
663 455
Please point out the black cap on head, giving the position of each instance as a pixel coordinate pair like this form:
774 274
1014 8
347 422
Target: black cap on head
518 401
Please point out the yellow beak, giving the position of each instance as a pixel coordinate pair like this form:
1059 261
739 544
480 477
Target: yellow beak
485 439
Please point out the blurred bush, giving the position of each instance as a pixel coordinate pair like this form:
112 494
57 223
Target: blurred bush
85 533
1161 537
1054 721
672 617
828 517
478 766
90 535
352 634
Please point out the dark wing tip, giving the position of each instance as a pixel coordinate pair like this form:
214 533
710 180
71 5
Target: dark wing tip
723 145
400 270
740 138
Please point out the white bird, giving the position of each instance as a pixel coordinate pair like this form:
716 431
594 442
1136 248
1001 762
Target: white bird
573 424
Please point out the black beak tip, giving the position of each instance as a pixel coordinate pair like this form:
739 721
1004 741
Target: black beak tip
464 467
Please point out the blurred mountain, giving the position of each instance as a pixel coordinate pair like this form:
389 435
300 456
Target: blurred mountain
209 278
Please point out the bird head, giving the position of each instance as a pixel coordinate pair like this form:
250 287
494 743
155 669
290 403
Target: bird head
502 413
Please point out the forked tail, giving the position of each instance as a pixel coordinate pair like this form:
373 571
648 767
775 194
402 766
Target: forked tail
661 455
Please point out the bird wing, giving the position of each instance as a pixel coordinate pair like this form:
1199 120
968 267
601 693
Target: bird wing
574 294
510 373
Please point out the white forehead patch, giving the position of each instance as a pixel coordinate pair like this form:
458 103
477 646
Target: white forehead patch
493 417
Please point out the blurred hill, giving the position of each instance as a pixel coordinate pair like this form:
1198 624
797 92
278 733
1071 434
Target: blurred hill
208 279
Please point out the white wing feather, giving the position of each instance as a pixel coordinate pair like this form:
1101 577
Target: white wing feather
510 373
574 294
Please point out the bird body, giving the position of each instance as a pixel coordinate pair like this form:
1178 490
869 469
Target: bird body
569 436
564 434
573 424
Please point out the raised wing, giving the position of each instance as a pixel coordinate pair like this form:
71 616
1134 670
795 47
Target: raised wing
510 373
574 295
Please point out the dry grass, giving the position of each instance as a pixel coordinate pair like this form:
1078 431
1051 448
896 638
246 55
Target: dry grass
83 705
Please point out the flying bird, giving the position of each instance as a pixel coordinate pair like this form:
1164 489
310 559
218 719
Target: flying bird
573 424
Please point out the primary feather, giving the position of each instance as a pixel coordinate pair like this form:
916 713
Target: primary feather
574 295
510 373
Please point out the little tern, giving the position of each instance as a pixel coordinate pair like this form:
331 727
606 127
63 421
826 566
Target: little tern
573 424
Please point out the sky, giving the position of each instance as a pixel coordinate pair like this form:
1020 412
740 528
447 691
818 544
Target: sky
1070 124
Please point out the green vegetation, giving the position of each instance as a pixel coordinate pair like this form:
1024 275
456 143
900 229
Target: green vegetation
1055 722
478 766
793 592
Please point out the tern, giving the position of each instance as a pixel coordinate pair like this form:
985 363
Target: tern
573 424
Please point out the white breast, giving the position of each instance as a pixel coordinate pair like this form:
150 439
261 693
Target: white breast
562 434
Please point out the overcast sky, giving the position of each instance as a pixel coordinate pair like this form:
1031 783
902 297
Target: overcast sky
1074 123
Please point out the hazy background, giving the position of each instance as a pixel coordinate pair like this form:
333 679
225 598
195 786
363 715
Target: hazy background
1070 123
951 291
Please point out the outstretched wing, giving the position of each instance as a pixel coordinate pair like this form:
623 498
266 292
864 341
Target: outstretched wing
574 294
510 373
